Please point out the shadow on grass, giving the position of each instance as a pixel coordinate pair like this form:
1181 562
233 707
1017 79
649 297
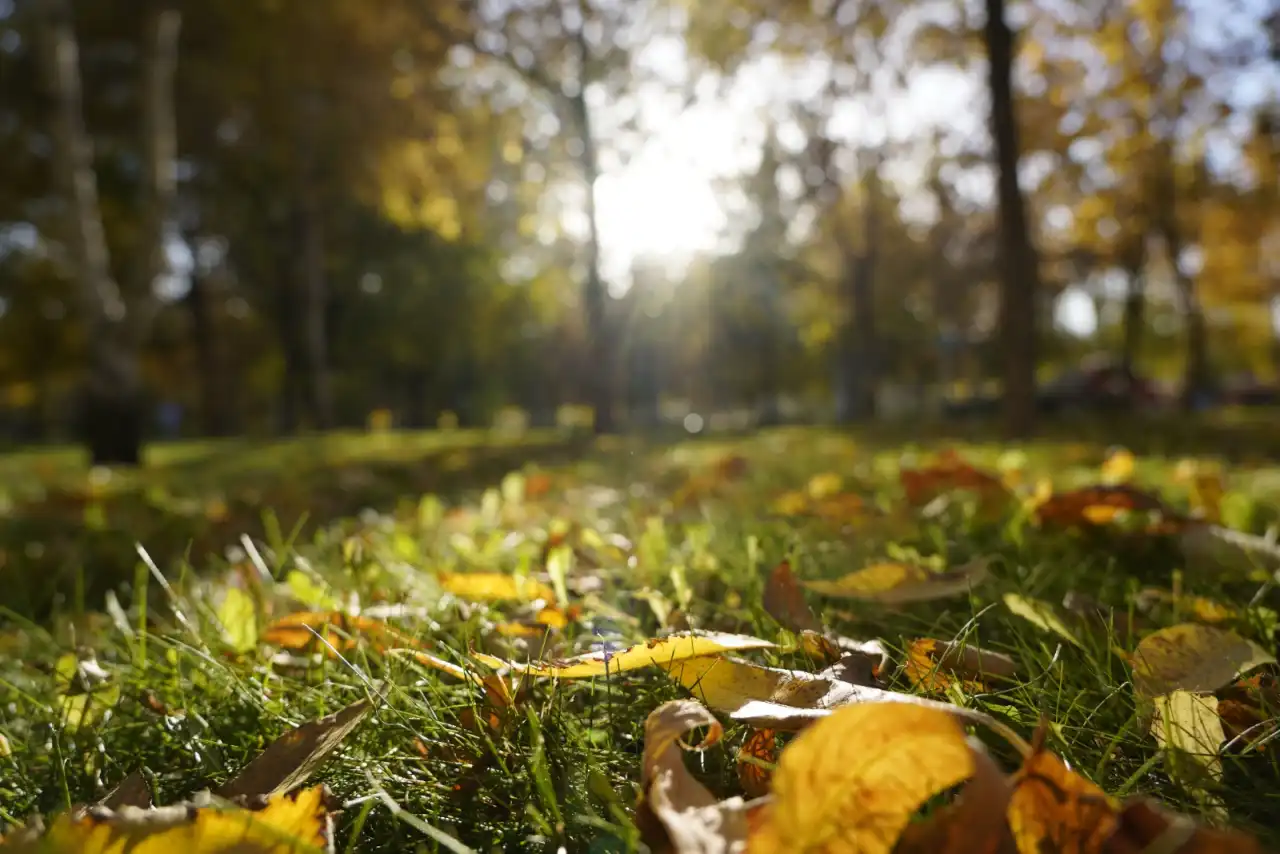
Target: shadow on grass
65 550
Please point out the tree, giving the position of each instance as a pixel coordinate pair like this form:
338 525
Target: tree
1020 276
117 318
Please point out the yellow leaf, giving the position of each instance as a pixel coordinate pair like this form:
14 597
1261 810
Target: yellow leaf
287 824
239 619
824 485
791 504
689 816
1118 467
297 632
1040 614
1189 725
1054 809
896 583
494 587
659 651
1192 657
853 781
727 684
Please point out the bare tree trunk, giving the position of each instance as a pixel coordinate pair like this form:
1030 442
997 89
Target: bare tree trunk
599 346
113 401
1134 308
315 299
213 398
1020 274
861 369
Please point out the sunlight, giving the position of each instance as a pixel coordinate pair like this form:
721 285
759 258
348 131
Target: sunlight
656 209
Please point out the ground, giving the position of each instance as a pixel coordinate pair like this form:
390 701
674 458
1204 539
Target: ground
641 538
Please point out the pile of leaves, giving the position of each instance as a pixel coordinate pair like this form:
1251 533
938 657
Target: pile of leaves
878 633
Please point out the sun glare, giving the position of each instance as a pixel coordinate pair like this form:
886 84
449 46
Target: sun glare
659 210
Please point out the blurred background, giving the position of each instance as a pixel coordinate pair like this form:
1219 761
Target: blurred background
261 217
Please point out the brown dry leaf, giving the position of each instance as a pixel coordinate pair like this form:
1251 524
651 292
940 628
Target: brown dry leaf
948 474
784 601
1193 657
494 587
659 651
761 746
132 791
340 631
286 824
896 583
689 819
1098 505
1052 808
853 781
293 757
1144 828
933 665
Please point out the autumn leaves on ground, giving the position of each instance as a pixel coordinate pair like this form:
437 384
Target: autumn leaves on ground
792 642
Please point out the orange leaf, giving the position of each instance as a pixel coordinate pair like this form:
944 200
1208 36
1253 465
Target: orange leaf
760 745
341 631
1054 809
1097 505
933 665
948 474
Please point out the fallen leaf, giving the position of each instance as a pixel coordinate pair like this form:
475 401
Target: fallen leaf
784 601
933 665
1188 726
1098 505
239 619
688 815
791 504
1144 828
286 824
853 781
494 587
298 632
1193 657
974 824
132 791
824 485
495 687
1052 808
948 474
293 757
659 651
1118 466
727 684
759 747
1040 614
895 583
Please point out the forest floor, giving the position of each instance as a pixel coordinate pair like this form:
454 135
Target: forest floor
1122 628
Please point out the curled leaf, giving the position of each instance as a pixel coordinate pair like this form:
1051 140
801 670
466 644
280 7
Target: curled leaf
895 583
659 651
853 781
689 815
1193 657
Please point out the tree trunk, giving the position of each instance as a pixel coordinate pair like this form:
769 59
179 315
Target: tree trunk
112 408
1195 369
599 370
314 299
1020 274
213 399
1134 311
861 371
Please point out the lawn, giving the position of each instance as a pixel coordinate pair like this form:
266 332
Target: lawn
429 561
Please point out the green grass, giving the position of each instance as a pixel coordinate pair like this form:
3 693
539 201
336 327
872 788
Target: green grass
565 768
